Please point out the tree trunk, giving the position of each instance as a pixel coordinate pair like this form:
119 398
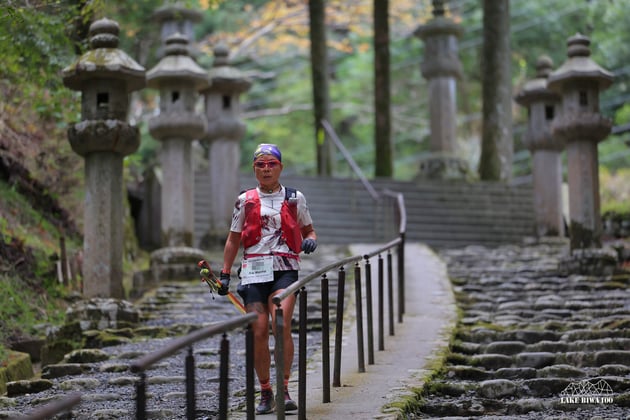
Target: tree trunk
319 73
383 159
496 138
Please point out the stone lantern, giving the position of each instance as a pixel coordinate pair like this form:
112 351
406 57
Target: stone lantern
175 18
441 67
579 81
105 76
542 107
178 78
225 130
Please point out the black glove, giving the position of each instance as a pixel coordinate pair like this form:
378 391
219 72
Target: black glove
224 278
308 245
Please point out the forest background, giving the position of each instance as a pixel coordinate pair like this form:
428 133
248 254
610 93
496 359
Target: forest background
269 42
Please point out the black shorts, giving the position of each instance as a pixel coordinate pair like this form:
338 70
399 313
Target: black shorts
260 292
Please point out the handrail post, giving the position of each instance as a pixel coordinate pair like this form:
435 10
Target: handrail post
249 372
359 316
325 339
381 305
368 303
224 377
401 277
141 397
141 365
279 357
390 292
190 383
339 327
302 354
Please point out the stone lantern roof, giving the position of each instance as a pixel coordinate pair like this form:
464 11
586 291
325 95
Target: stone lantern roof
225 78
176 11
177 65
104 60
440 35
536 90
439 25
580 66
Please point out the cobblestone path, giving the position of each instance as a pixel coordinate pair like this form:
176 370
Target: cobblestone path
173 309
532 343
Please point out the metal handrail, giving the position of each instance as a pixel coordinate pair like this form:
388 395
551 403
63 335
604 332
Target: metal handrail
141 365
385 287
54 408
402 210
177 344
366 183
333 136
298 285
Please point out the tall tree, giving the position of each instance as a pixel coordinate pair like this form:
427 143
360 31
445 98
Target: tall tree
319 74
383 158
496 138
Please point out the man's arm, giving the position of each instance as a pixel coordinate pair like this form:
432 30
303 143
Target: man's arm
308 232
232 245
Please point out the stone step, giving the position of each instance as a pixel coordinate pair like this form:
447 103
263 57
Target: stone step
439 214
172 309
529 338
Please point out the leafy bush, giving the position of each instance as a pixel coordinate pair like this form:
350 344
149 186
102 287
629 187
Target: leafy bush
615 190
29 291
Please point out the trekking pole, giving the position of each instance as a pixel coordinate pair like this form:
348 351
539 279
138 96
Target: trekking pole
214 283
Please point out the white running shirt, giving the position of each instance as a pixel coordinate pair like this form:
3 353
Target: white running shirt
271 241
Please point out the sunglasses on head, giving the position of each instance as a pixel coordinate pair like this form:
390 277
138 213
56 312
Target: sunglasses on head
266 164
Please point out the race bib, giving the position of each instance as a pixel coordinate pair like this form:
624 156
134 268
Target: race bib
257 269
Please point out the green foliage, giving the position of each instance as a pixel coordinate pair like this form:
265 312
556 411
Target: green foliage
614 153
33 41
291 130
35 45
41 37
622 116
615 190
22 222
36 42
227 16
21 308
29 291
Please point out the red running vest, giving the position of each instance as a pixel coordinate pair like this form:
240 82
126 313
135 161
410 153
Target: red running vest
252 225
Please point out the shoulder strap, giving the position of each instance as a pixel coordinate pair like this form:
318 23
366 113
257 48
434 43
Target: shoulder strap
251 195
290 193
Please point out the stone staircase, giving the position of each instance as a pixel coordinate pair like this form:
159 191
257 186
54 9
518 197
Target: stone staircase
440 214
100 371
533 341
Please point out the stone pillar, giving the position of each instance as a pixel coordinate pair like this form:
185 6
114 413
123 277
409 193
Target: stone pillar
579 81
177 19
178 78
225 130
441 67
542 107
105 76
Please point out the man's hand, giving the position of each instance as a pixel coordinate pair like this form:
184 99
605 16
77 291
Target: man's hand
224 278
309 245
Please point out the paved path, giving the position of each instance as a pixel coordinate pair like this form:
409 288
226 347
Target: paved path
427 323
